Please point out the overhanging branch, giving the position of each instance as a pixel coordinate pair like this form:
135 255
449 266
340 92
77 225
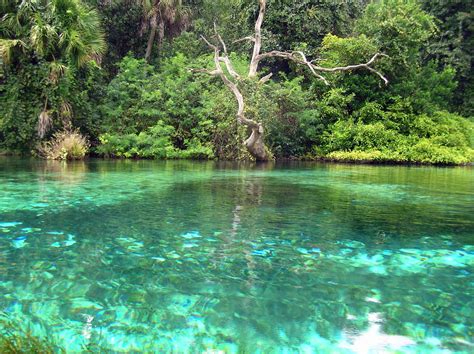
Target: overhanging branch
231 85
249 38
299 58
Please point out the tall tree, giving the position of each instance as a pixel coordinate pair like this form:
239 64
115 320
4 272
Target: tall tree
404 31
255 143
454 45
163 17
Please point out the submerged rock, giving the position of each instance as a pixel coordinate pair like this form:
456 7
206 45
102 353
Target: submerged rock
263 253
30 229
19 242
81 304
10 224
303 250
191 235
65 243
130 243
351 243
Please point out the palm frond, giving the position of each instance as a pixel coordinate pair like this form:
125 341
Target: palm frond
45 123
56 71
43 36
6 47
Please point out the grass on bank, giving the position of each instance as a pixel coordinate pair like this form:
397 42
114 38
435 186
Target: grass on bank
64 145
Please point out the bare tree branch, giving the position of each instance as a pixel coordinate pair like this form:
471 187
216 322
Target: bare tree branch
385 80
224 47
310 66
212 46
233 87
315 68
225 58
206 71
350 67
249 38
258 40
229 67
265 78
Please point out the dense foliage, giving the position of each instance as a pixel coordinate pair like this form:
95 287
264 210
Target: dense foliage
50 52
159 108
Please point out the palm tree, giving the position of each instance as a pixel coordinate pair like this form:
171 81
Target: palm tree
64 33
161 16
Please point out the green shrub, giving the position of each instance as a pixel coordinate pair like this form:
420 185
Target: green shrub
366 156
441 138
427 151
126 108
64 145
155 143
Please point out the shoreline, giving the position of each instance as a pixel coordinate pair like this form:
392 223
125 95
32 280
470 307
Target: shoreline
5 154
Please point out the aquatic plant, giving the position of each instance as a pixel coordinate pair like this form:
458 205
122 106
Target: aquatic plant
14 339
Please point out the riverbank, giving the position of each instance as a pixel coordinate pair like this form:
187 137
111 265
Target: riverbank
349 157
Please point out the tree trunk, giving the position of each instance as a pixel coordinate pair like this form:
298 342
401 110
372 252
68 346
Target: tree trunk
161 34
255 143
151 38
256 146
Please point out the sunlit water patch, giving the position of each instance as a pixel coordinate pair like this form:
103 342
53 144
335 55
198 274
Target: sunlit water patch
187 257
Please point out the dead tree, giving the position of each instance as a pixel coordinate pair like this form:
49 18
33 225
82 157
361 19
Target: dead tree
255 143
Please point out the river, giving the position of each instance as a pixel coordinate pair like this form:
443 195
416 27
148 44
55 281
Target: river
161 256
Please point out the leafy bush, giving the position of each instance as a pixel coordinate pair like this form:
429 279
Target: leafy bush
174 114
366 156
125 108
155 142
428 151
64 145
443 138
199 109
20 106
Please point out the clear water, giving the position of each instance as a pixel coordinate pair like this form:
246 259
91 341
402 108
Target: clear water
188 257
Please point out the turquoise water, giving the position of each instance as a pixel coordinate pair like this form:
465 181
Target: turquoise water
187 256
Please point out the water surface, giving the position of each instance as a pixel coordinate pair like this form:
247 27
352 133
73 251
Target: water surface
187 257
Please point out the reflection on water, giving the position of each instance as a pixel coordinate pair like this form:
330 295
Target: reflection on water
186 256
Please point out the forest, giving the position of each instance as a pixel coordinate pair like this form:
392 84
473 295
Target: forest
236 176
356 80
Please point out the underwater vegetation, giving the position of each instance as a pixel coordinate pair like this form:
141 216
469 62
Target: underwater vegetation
15 339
